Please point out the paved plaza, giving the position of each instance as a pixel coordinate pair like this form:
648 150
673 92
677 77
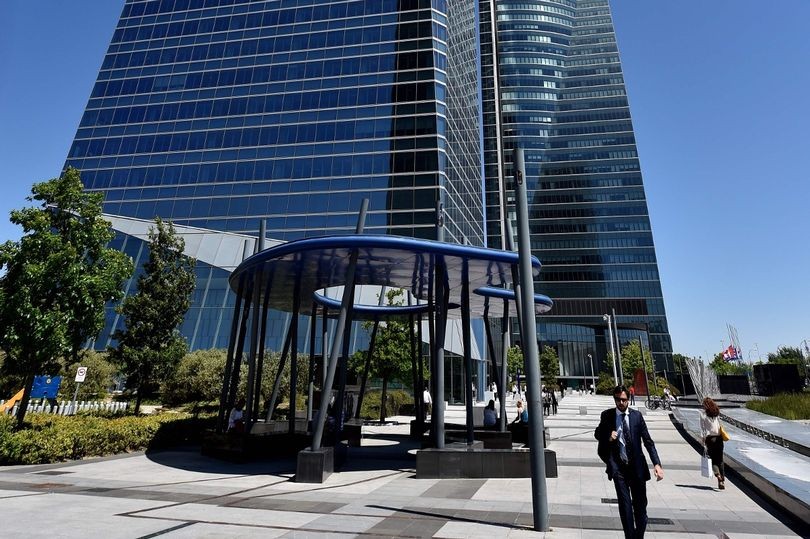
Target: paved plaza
180 494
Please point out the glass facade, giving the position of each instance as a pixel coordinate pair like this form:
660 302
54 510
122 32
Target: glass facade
563 98
221 113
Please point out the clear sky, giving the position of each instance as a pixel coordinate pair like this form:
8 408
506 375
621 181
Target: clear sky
719 96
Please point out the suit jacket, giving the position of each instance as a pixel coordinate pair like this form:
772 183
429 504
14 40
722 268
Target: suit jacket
609 451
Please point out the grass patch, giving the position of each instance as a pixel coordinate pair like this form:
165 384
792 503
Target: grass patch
784 405
50 438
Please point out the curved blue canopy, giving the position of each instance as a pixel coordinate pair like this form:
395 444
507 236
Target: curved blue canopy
304 266
542 304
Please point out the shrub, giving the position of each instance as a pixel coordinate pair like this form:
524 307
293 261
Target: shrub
98 382
47 438
197 378
605 384
397 401
199 375
793 406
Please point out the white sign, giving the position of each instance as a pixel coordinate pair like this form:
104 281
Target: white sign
81 374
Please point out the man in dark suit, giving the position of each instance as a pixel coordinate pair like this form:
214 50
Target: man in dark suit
620 434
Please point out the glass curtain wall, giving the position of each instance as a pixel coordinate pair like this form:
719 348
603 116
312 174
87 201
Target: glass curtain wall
221 113
563 98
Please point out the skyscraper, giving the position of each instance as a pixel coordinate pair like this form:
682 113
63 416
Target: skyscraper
218 114
554 85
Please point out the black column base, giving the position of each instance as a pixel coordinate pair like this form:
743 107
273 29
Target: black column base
315 466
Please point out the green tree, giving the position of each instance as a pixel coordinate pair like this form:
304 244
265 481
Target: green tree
57 279
514 361
392 351
549 366
197 378
632 360
722 366
151 345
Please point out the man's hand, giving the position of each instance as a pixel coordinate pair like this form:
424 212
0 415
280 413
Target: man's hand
659 472
613 436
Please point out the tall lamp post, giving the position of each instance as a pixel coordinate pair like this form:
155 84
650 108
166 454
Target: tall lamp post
606 318
593 379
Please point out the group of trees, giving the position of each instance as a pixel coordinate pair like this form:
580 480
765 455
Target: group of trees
549 364
59 276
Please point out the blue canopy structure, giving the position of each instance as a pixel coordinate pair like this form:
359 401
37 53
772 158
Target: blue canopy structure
296 277
305 266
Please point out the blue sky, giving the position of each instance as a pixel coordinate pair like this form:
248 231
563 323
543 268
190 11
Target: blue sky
718 92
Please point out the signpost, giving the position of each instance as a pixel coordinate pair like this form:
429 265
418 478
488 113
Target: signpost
81 374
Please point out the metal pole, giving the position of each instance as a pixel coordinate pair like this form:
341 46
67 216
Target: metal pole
465 332
277 383
606 318
593 378
343 366
294 356
437 415
618 345
262 346
240 346
262 234
348 296
528 330
229 359
504 363
75 394
432 357
421 408
496 372
414 367
249 419
311 377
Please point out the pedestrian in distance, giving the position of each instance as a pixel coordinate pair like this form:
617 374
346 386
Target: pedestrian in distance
713 439
632 395
553 402
522 414
427 401
620 434
490 415
236 422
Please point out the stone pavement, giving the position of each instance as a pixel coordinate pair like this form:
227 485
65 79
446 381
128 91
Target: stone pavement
179 494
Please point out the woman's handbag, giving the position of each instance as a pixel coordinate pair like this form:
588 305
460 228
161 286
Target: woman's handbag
705 466
724 435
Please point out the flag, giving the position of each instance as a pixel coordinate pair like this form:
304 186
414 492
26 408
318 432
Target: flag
730 353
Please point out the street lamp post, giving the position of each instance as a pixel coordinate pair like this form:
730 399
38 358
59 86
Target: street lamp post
584 374
593 379
606 318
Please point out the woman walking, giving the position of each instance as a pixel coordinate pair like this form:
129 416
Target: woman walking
712 439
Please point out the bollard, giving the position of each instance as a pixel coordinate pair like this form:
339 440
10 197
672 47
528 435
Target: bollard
583 410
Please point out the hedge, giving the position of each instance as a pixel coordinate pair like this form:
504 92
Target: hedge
47 438
792 406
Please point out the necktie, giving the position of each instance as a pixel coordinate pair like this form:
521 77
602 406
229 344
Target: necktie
624 440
